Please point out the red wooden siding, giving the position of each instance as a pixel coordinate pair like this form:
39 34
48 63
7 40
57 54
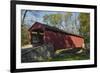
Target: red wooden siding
58 38
77 41
62 41
55 38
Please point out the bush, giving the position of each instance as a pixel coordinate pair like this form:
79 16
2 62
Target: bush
24 35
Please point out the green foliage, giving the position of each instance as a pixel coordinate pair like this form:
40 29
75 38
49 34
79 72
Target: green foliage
24 35
54 19
71 57
85 26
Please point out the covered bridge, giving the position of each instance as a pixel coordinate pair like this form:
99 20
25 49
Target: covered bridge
42 33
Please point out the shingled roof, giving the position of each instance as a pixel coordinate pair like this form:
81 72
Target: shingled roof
52 28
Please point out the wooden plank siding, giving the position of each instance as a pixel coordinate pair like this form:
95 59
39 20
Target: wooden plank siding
58 38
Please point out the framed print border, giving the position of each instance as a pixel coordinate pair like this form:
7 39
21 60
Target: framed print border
13 35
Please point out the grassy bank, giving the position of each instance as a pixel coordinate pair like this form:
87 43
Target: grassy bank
67 56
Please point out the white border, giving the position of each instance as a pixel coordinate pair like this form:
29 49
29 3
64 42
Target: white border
20 65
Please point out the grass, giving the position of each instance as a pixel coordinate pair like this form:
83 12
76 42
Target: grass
70 56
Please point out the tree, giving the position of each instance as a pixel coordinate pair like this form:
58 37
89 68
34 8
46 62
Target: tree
68 22
24 35
24 15
85 26
57 20
53 19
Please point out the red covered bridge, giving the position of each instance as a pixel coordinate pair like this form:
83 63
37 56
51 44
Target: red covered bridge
41 33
